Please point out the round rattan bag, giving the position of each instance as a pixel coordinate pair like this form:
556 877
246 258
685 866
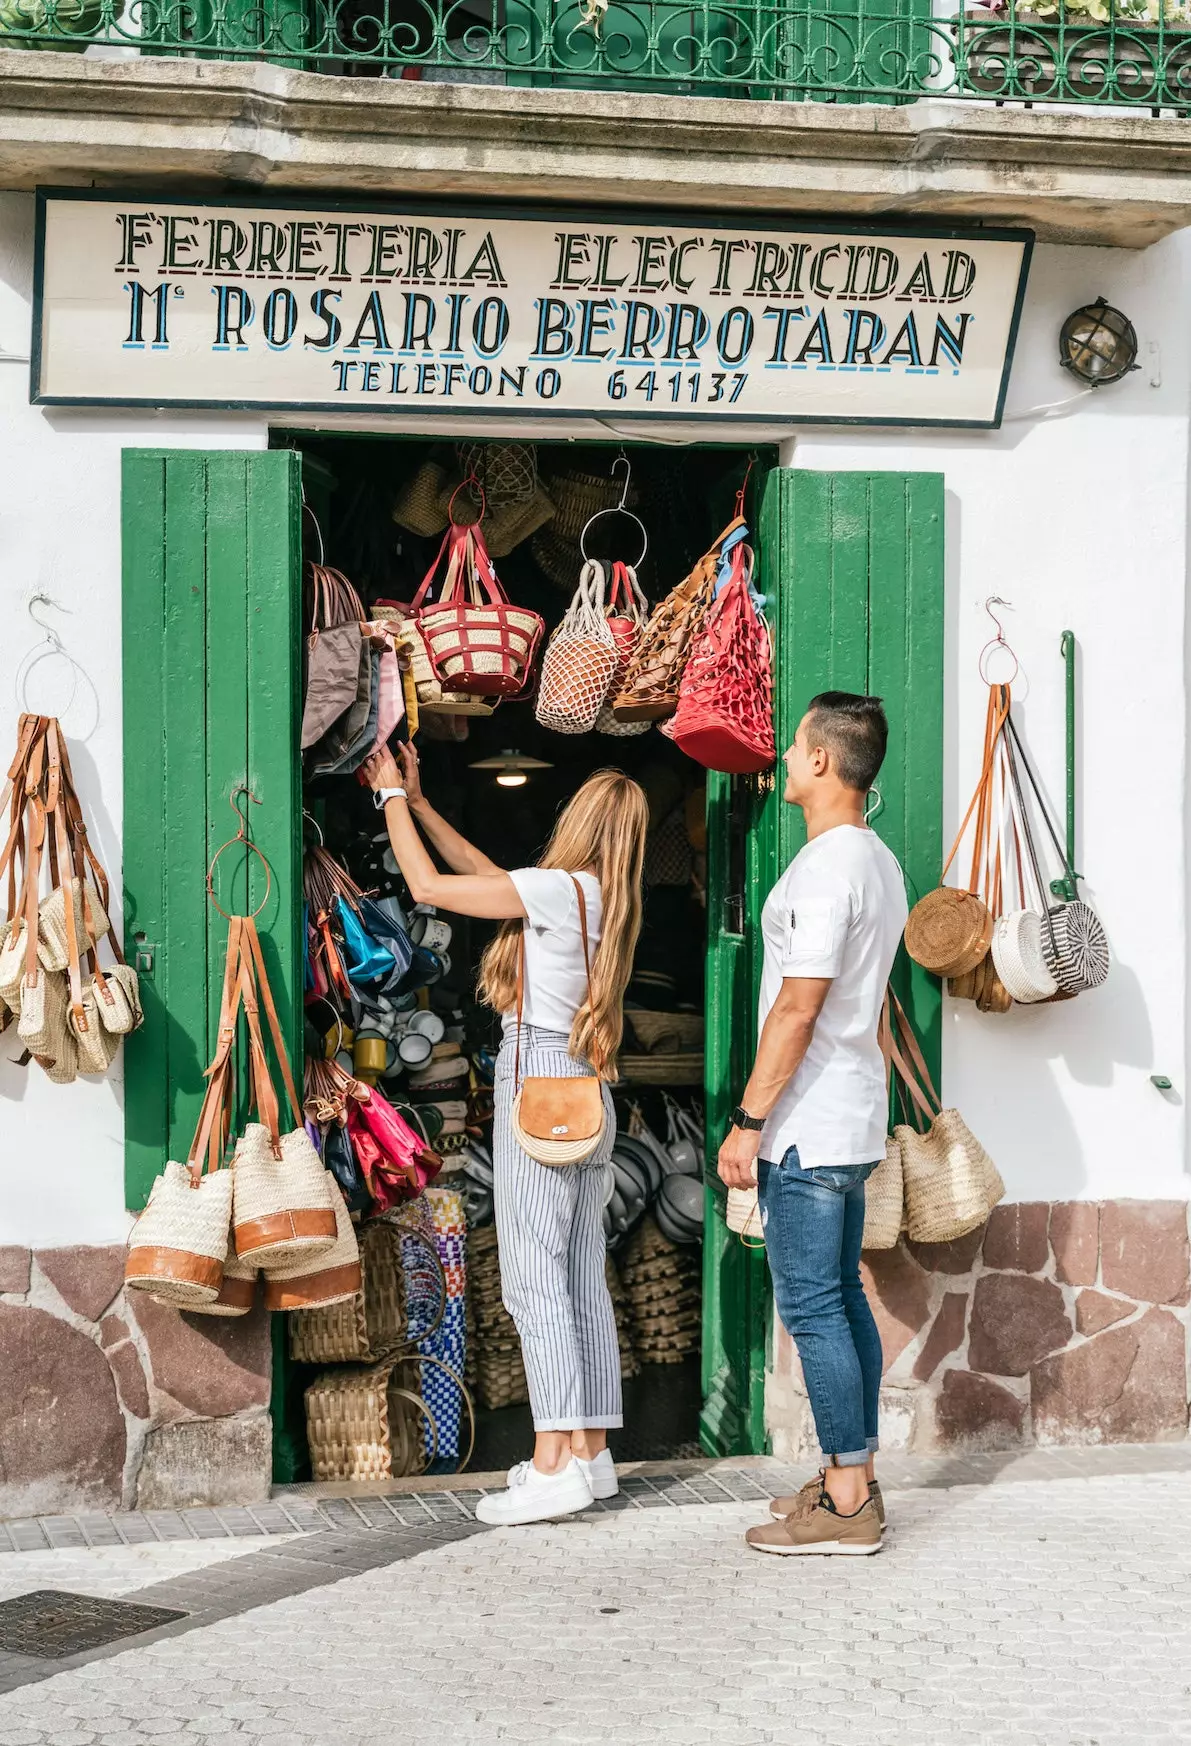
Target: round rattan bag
949 931
1075 947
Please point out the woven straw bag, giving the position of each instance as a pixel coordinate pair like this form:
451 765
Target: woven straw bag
373 1322
506 524
282 1209
744 1214
650 688
627 611
118 999
96 1045
316 1280
179 1244
951 1184
949 931
416 506
477 641
884 1200
237 1293
507 472
580 660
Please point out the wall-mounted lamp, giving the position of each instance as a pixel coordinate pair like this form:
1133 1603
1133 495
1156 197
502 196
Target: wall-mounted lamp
1098 344
512 769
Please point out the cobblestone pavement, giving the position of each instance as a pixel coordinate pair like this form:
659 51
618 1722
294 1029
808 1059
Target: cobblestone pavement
1051 1612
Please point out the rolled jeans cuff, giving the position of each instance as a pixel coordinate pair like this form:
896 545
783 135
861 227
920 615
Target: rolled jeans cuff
856 1458
874 1443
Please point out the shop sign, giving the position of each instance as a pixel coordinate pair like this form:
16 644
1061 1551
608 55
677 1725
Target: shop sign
283 306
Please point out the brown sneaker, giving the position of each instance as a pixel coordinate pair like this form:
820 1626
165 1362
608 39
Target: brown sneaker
820 1529
795 1503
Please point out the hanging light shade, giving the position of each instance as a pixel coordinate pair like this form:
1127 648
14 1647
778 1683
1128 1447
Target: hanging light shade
1098 344
512 768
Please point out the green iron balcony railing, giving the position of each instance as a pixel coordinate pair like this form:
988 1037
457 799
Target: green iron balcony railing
1134 53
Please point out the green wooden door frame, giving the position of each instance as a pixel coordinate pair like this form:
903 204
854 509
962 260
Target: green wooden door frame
852 565
211 617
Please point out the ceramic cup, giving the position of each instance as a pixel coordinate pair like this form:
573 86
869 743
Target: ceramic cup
430 931
372 1053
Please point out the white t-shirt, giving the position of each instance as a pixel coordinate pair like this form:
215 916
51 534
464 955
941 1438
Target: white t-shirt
555 979
838 910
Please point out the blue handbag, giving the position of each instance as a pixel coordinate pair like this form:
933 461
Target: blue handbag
388 930
365 960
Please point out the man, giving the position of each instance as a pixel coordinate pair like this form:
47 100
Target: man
811 1126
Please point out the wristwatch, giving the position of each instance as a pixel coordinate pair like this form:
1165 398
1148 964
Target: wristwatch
380 796
740 1118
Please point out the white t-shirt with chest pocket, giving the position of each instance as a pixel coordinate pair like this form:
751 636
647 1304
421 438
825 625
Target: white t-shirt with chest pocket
838 911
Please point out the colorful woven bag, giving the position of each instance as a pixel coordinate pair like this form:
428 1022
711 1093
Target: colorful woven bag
650 688
478 642
626 612
724 718
580 662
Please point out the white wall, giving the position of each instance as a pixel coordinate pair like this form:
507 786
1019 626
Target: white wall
1078 517
61 1147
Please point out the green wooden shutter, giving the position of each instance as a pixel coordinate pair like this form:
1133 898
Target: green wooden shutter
852 564
211 632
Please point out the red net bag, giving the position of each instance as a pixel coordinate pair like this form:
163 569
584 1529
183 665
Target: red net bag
724 718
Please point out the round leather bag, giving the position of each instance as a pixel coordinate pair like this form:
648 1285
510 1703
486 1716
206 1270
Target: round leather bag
949 931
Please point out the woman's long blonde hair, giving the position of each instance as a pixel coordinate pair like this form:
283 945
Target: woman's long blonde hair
601 829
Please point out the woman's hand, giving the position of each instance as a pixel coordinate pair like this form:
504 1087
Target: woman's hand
411 774
380 771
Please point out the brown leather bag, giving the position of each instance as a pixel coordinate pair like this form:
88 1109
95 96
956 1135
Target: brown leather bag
557 1120
650 689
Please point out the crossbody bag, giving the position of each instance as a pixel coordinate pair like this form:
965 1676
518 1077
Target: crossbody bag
557 1120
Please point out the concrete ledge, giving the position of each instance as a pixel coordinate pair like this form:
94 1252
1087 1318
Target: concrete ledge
1088 177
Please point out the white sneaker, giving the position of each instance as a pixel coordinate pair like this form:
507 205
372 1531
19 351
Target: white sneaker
601 1474
534 1496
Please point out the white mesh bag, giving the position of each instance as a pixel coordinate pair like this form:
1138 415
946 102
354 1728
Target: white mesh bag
580 661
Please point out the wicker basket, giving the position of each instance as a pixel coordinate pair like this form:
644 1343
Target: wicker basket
416 505
507 471
684 1067
884 1200
368 1327
366 1424
500 1379
663 1286
667 1032
624 1319
949 931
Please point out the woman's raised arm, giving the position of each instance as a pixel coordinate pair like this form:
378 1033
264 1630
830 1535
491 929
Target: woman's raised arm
483 891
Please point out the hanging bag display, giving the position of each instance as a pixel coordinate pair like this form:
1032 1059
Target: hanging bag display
558 1120
650 689
334 654
580 660
1017 937
951 1183
282 1208
724 718
478 642
950 930
626 612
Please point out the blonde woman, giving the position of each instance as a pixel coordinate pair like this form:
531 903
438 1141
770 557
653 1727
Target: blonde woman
549 1218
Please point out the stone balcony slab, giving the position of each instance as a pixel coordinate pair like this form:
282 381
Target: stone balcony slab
1090 176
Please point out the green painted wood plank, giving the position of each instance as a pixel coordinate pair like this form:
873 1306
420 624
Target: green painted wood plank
146 1053
923 750
184 825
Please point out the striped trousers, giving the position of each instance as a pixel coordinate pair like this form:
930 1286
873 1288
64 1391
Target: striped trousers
550 1227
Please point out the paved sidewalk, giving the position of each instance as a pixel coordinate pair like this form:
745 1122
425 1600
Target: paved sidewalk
1045 1608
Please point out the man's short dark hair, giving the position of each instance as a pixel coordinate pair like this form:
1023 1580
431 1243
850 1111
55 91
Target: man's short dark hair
854 731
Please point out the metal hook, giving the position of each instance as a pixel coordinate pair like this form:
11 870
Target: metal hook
233 799
322 551
310 818
43 599
623 460
874 808
995 600
1000 641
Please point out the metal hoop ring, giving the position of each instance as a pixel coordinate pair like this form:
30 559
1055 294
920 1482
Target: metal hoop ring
616 509
985 653
248 844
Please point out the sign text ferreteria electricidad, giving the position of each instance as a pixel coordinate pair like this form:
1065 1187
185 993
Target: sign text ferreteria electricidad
181 302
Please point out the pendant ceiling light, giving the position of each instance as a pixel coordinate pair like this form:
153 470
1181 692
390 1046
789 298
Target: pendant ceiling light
511 767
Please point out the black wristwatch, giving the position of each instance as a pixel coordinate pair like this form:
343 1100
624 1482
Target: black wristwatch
740 1118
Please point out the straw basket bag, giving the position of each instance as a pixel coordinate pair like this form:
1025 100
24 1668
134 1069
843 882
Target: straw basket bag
744 1214
477 640
282 1209
884 1200
651 685
368 1424
327 1278
417 505
237 1293
949 931
580 661
951 1183
373 1322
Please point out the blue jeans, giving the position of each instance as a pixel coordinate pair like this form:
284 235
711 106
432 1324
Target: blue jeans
814 1222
